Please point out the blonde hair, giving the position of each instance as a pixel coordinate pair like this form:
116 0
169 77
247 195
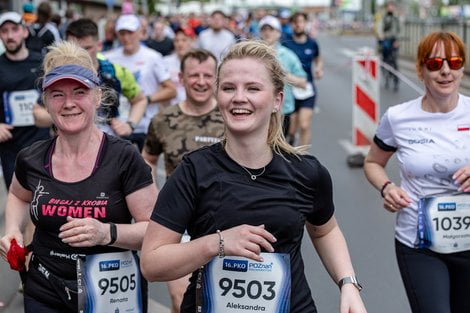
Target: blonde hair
65 52
265 54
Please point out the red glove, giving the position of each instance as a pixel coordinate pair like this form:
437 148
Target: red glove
16 256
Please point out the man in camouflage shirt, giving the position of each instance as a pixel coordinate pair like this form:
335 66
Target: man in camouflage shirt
184 127
191 124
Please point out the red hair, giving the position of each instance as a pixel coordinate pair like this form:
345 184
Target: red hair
450 40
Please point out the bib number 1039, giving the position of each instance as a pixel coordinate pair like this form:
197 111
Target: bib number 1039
236 284
444 223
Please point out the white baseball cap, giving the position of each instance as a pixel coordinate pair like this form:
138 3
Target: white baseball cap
11 17
128 22
270 21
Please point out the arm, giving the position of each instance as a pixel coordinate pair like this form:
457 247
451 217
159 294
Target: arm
151 160
88 232
317 68
16 215
296 81
137 111
5 132
41 116
177 259
395 198
167 92
296 74
333 251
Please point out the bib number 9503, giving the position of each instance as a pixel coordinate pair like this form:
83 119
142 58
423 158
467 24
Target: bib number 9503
117 284
254 289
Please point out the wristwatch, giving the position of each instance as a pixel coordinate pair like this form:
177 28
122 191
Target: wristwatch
132 125
349 280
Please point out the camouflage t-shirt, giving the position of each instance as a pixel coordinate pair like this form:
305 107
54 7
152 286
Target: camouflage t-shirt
174 134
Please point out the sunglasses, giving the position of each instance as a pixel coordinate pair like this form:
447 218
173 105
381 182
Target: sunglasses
435 64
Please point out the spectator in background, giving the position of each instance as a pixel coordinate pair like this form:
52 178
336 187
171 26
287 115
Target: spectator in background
28 13
43 33
216 39
183 42
144 27
69 17
109 42
270 30
160 41
19 69
388 33
148 68
284 19
307 50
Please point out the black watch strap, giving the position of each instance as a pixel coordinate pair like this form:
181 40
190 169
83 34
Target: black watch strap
112 233
132 125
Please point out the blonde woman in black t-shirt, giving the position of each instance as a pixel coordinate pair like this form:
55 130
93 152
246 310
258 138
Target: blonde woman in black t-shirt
245 203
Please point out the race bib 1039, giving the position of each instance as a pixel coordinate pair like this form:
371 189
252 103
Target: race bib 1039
444 223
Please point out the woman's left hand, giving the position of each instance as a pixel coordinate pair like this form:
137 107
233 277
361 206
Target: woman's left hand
84 232
351 301
461 178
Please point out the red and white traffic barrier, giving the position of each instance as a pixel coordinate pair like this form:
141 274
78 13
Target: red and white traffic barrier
366 97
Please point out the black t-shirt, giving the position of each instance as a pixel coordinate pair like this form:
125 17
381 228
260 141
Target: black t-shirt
209 191
119 171
17 76
165 47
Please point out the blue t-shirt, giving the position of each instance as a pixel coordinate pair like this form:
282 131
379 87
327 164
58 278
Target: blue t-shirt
307 52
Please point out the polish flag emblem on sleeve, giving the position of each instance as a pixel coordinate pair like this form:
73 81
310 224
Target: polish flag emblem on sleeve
462 128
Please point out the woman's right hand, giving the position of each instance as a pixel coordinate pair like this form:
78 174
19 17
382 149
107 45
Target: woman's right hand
247 241
5 243
395 198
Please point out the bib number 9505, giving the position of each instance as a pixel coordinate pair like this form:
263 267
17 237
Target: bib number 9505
254 289
117 284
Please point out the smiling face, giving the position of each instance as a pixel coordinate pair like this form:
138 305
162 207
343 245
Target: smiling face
72 105
445 81
246 97
198 79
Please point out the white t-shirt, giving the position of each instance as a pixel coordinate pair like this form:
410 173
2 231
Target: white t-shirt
173 64
216 42
149 71
430 148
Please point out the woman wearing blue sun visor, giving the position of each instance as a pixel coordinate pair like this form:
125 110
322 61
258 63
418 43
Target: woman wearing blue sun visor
82 189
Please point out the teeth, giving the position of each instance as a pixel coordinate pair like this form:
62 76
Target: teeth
240 111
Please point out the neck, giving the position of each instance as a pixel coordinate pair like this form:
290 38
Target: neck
441 104
132 51
193 108
248 152
73 146
22 54
300 38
